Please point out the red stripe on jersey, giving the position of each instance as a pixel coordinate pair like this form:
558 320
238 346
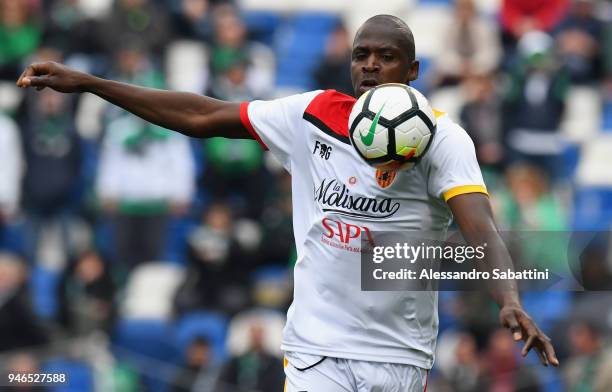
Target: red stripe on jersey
244 117
426 379
332 109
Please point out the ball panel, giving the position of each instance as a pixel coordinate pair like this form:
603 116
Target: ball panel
423 145
375 152
407 151
409 134
371 146
424 105
358 107
394 98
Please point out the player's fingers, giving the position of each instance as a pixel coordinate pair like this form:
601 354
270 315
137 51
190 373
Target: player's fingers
528 325
528 344
549 350
540 353
510 321
32 70
41 68
39 82
21 77
24 79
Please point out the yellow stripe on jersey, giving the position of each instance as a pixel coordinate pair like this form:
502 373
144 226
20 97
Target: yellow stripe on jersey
285 363
438 113
463 189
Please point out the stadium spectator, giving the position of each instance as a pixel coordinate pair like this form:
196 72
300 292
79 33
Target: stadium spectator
234 168
531 206
589 261
470 46
501 369
198 373
277 245
591 367
579 38
20 35
481 117
230 82
535 103
519 17
53 158
255 370
230 40
10 175
142 18
193 20
230 47
19 326
86 295
331 73
215 255
64 19
146 173
235 171
461 371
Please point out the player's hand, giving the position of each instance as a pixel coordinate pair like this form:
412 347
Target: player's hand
524 328
53 75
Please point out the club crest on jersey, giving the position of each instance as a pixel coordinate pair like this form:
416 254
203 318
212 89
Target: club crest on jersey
385 178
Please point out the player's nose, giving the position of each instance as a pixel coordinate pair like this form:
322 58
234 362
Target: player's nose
371 64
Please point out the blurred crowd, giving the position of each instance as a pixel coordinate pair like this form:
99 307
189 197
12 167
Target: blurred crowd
134 258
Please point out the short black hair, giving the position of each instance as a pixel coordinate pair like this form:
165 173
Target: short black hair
405 34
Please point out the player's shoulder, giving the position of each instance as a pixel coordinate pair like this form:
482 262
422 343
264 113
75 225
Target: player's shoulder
302 99
448 130
449 135
330 104
329 111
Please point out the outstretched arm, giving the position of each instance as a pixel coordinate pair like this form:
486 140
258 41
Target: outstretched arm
473 214
187 113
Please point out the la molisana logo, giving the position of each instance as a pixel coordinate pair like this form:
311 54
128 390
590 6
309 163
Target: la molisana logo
334 196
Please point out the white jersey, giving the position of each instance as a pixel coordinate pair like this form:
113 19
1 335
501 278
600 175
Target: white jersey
336 198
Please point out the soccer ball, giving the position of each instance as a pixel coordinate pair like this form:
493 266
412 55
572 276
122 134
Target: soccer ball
391 126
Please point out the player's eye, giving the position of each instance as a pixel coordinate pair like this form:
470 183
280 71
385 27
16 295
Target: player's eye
387 57
359 56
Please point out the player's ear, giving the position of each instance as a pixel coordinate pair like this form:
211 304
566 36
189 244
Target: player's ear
413 72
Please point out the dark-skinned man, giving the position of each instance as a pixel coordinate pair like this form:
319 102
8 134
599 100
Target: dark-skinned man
337 337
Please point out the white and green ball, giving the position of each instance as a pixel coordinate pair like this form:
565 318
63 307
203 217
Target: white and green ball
404 129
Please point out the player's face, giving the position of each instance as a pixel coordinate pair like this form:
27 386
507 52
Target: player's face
378 58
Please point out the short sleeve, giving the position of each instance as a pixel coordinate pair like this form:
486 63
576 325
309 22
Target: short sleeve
274 123
453 168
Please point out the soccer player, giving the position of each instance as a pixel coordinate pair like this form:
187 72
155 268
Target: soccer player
337 337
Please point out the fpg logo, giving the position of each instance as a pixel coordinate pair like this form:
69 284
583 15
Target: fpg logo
344 232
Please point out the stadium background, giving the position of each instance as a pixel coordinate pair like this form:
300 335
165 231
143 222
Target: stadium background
136 259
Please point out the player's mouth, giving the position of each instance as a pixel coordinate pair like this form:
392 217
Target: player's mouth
367 84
